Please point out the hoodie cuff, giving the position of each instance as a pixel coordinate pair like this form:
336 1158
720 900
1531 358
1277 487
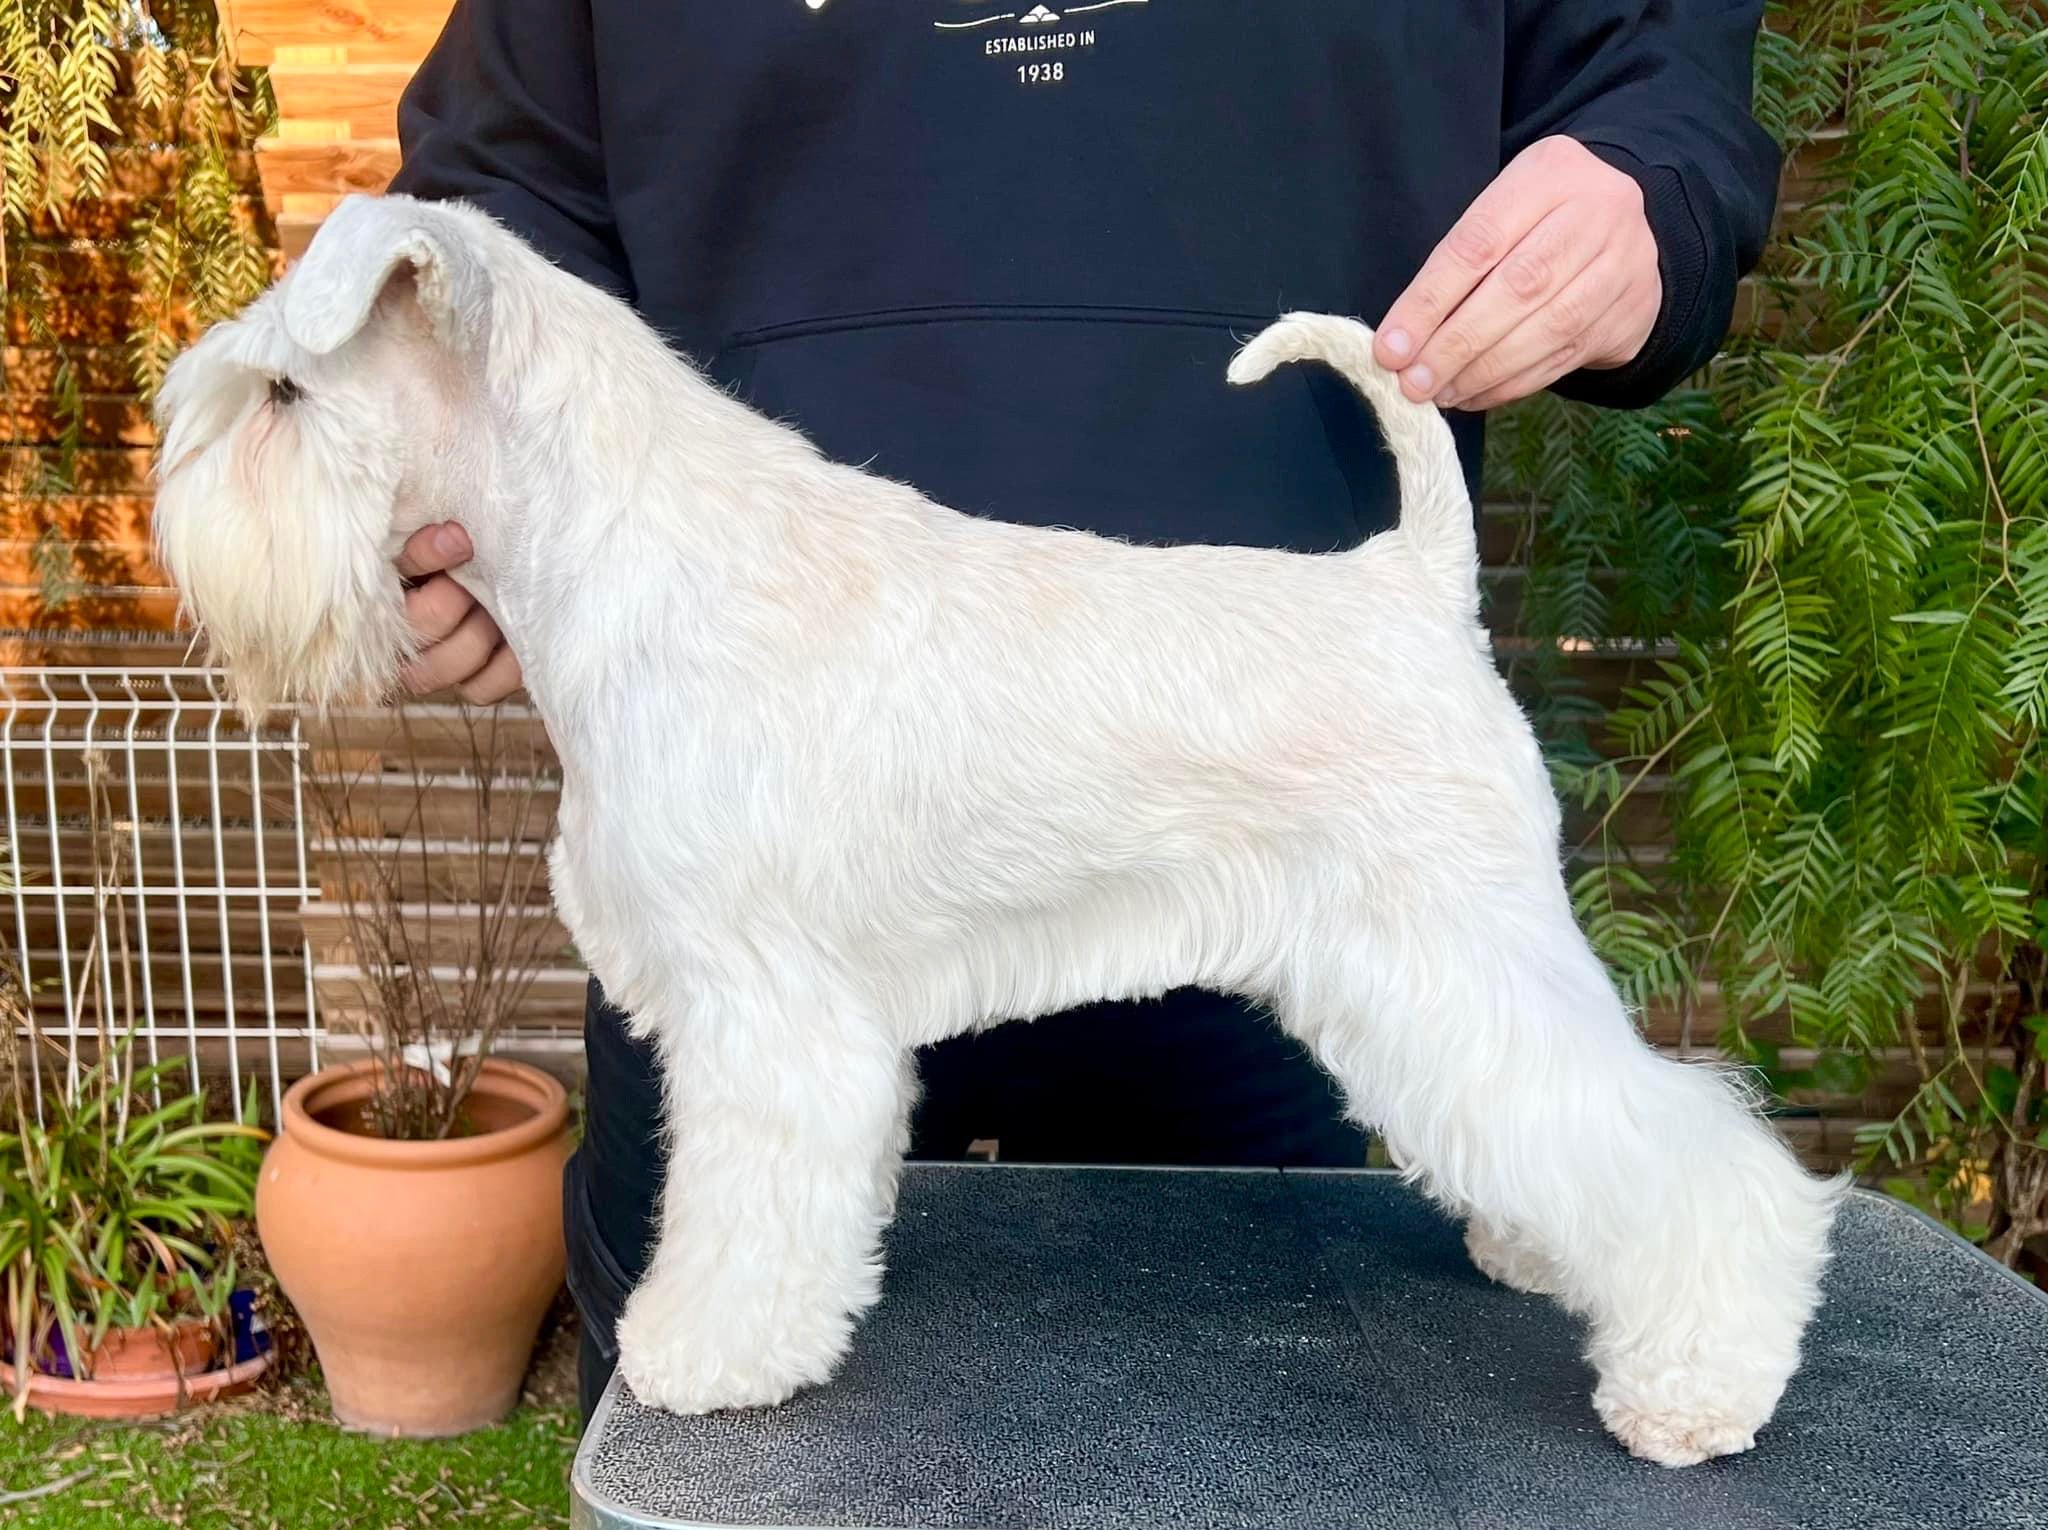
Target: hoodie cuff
1684 257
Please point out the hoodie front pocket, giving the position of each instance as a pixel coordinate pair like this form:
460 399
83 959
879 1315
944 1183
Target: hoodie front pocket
1111 420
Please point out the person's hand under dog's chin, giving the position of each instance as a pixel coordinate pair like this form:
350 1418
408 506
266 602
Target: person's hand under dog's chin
461 648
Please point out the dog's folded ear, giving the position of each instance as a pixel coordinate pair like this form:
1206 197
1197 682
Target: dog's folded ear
366 245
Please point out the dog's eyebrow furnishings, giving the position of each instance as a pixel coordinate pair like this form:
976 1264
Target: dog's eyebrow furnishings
1091 1349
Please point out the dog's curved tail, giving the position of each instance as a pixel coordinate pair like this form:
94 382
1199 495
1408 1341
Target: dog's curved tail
1436 512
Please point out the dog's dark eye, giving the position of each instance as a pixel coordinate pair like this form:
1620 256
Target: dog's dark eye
284 391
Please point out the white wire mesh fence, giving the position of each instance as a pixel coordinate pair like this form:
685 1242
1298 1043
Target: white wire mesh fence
191 882
163 865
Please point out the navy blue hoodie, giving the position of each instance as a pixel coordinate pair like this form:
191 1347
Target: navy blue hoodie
1004 250
1005 258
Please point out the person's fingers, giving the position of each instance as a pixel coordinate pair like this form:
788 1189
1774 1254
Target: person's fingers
499 678
1621 335
1531 380
1567 322
432 549
1519 198
1544 270
456 657
1555 363
461 644
436 608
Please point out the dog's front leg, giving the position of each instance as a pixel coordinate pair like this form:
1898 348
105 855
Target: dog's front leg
785 1128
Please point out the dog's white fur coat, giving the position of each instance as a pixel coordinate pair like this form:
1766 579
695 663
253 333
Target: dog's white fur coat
846 772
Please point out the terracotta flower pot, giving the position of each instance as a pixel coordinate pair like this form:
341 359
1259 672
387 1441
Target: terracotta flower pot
140 1373
421 1269
138 1354
141 1396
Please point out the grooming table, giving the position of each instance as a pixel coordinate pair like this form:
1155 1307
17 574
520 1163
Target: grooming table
1096 1349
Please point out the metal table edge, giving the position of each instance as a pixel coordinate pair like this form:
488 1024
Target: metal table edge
1879 1197
590 1510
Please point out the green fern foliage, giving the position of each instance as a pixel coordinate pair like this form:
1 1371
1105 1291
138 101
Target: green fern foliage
86 88
1833 554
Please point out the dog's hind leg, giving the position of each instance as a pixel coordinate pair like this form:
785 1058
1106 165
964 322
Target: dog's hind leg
786 1123
889 1163
1490 1049
1513 1259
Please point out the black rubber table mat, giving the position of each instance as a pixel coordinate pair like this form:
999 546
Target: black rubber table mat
1095 1348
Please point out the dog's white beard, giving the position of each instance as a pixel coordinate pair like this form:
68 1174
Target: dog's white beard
268 545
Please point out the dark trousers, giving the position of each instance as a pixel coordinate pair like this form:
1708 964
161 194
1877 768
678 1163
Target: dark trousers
1191 1079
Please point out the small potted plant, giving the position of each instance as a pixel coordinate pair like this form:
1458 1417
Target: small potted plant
117 1218
411 1206
118 1199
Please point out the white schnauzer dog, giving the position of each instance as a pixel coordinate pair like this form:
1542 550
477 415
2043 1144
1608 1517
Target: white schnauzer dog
846 772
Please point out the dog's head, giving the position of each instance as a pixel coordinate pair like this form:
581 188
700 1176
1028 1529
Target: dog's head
303 441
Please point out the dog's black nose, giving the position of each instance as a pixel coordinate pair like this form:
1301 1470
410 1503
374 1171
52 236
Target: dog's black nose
284 391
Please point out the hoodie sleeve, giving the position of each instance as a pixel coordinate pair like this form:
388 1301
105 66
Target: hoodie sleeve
1661 90
503 115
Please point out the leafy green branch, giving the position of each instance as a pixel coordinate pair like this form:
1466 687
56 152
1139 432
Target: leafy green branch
1832 555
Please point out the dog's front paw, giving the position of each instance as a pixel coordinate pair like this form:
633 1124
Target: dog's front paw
684 1354
1681 1415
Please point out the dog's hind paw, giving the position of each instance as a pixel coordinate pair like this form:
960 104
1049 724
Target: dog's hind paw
1518 1266
1675 1438
1683 1412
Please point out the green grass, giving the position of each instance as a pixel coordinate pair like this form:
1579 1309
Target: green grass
242 1468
